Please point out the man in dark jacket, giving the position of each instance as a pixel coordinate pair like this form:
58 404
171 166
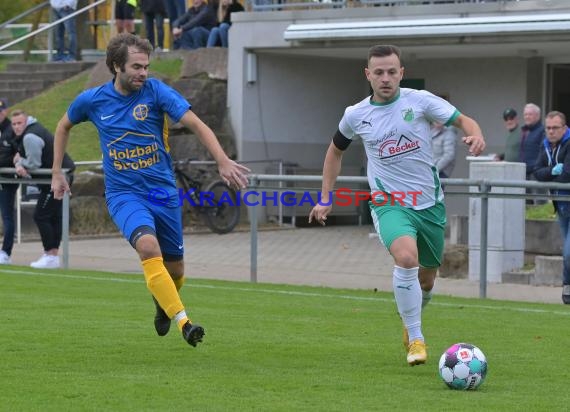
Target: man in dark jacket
553 165
191 30
35 150
532 134
7 190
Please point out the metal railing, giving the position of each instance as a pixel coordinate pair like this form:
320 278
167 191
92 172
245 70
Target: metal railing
50 26
24 14
41 177
484 190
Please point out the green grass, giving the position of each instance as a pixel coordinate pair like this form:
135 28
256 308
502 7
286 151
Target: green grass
166 67
541 212
75 340
49 106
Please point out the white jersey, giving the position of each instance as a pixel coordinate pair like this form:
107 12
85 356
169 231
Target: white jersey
396 137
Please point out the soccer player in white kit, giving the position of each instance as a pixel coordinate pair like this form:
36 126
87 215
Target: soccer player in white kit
407 201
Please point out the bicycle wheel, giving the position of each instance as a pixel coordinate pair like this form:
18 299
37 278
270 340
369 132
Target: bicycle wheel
221 214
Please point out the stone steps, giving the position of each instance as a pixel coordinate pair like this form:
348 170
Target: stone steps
547 272
22 80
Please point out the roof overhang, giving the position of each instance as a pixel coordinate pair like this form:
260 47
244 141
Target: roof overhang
438 27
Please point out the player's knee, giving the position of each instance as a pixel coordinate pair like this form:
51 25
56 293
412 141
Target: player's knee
406 260
427 278
147 247
175 267
427 284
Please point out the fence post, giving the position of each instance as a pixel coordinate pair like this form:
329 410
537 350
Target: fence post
254 182
65 230
19 214
484 188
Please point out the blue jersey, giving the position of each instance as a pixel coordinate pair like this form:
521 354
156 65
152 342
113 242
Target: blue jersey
133 134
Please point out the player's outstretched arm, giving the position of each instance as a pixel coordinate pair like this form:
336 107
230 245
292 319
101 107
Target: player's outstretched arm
473 134
331 170
231 172
59 183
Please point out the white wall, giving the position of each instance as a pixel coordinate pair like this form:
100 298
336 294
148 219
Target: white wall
293 109
479 88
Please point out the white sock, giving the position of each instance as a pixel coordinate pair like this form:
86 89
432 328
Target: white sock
426 297
408 296
180 316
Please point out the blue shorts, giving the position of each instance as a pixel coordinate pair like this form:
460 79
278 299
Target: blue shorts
130 211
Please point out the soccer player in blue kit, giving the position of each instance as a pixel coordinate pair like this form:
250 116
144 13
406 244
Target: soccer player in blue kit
129 113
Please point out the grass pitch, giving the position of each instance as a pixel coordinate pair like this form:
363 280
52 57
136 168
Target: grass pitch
75 340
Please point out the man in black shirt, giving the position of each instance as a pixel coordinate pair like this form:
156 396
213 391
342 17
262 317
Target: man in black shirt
7 190
35 150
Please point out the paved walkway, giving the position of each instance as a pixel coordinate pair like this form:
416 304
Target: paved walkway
340 257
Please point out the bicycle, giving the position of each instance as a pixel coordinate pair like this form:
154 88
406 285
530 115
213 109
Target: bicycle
215 201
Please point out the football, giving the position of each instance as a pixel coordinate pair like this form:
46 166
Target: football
463 366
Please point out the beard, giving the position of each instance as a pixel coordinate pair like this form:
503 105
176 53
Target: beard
129 85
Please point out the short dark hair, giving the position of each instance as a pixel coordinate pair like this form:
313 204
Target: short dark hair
383 50
556 113
118 49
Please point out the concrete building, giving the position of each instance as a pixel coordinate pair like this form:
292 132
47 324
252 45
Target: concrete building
293 71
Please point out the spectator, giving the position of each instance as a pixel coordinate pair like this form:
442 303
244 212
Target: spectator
35 150
154 12
219 35
513 138
125 15
531 137
553 165
7 190
443 144
531 142
61 9
191 30
175 9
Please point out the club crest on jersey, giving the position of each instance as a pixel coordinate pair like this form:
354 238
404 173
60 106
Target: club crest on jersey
408 114
392 148
140 112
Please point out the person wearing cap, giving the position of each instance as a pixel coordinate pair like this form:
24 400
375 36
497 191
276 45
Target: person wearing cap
513 138
7 190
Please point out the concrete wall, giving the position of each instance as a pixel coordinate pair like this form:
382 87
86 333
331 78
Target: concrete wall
293 109
480 88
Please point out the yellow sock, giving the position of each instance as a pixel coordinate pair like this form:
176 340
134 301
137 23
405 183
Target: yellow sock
179 282
164 290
